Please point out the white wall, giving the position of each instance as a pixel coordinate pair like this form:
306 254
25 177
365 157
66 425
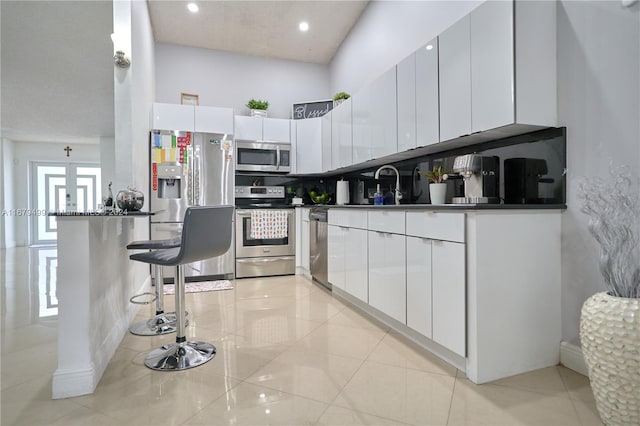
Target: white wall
229 80
386 33
599 102
26 152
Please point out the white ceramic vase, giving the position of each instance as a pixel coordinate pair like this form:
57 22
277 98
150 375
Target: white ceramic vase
258 112
437 192
610 337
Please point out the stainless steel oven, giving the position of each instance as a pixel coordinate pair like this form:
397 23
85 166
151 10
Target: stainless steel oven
262 254
254 156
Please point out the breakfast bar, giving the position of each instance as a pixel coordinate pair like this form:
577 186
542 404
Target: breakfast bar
95 280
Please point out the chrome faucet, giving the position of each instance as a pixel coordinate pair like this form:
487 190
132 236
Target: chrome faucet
398 194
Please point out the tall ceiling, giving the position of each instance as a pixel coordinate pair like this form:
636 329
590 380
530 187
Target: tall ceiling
57 71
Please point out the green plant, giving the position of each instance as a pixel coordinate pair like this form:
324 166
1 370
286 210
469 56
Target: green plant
341 95
257 104
436 175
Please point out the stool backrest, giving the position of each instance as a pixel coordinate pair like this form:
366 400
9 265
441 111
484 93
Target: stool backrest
206 233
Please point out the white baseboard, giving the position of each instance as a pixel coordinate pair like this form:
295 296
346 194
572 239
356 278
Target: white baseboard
572 358
68 383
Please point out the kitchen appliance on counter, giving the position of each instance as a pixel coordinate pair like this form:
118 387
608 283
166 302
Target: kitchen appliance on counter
190 169
265 232
523 180
481 176
256 156
318 250
342 192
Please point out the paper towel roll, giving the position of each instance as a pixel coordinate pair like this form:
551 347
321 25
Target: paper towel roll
342 192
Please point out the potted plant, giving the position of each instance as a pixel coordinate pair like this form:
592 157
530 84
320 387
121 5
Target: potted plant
610 320
340 97
258 107
437 186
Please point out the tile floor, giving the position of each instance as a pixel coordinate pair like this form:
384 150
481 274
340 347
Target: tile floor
288 353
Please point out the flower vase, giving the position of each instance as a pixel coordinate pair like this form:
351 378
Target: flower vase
258 112
437 192
610 337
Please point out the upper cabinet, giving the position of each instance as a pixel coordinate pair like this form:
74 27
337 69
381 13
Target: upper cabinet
172 117
262 129
480 57
455 80
308 145
375 119
406 94
427 105
326 124
213 120
341 136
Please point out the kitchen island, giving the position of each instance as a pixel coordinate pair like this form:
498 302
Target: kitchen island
95 280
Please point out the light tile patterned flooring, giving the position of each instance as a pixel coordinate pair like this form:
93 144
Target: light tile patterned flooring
288 353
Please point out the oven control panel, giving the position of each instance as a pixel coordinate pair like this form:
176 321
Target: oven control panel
259 192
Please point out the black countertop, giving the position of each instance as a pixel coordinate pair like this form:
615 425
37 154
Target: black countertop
101 214
481 206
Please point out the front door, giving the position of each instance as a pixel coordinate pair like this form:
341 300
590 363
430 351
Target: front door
61 187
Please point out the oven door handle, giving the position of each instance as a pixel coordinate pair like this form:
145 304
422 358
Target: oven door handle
278 157
248 212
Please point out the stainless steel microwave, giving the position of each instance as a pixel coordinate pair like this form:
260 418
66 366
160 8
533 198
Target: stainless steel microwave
252 156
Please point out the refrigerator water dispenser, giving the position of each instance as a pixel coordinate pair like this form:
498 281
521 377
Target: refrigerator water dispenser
169 181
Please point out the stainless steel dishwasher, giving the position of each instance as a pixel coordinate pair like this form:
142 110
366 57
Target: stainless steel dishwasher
318 245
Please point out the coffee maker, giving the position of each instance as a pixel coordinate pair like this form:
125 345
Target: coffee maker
481 176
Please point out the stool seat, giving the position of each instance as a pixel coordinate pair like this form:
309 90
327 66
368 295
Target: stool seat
206 233
154 244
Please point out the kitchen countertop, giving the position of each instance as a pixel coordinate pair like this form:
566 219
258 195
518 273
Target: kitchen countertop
449 206
101 214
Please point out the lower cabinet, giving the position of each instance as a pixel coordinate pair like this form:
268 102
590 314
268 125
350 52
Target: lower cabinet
448 276
304 238
387 274
336 249
419 285
347 262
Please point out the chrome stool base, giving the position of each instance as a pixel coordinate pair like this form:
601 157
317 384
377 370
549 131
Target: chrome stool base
160 324
180 356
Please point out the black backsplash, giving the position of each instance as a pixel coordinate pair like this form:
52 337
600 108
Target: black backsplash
534 173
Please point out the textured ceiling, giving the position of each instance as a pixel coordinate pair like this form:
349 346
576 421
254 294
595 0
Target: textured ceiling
56 67
262 28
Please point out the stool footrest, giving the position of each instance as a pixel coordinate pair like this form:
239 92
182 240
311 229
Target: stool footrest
180 356
134 299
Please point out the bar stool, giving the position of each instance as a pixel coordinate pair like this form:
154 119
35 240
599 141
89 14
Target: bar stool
162 322
206 233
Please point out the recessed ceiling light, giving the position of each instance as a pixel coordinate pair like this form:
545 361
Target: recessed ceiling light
304 26
193 8
429 47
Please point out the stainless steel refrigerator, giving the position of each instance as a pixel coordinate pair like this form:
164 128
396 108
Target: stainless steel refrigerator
190 169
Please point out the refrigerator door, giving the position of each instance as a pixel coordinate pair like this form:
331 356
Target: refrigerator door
215 167
209 269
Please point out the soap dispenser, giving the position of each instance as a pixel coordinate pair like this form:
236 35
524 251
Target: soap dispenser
378 198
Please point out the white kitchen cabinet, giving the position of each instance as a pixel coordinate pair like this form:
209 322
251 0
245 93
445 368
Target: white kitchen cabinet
305 244
455 80
326 142
276 130
356 273
375 119
449 295
262 129
248 128
213 120
308 145
427 102
336 250
492 59
387 274
347 250
341 136
172 117
419 285
406 87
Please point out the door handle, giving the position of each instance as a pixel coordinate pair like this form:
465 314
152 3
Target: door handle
277 158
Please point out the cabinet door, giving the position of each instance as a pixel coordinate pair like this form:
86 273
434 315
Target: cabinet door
361 119
341 136
387 274
455 80
492 66
172 117
248 128
308 145
407 103
213 120
305 245
356 276
385 116
276 130
449 313
419 285
326 142
427 105
336 250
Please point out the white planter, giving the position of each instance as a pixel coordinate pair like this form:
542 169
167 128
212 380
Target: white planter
258 112
437 192
610 337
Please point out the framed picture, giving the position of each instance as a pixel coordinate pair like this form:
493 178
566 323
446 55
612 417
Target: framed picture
189 99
